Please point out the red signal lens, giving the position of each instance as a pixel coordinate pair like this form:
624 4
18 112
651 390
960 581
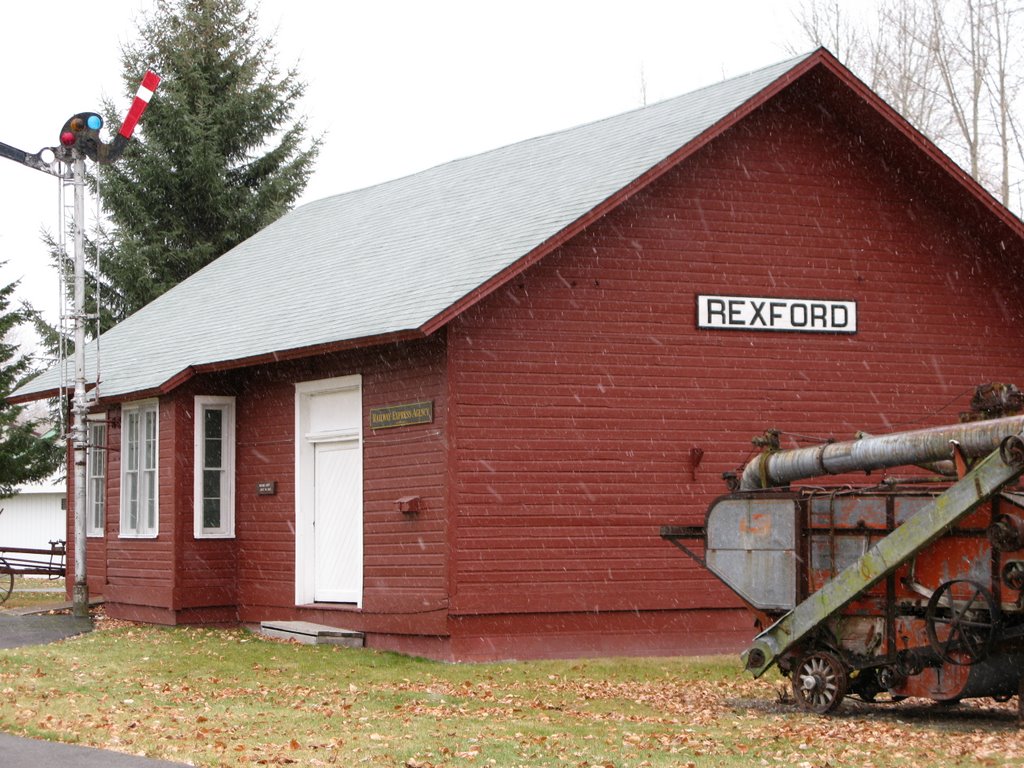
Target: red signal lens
67 138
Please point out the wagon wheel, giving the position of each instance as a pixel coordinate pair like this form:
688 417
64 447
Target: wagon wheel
6 581
819 682
962 621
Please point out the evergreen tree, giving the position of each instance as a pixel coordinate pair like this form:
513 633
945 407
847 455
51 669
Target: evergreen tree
221 155
24 457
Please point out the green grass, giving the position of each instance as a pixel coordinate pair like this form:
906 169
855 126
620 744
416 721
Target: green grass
21 597
230 698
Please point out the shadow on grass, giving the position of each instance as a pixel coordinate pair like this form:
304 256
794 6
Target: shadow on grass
967 715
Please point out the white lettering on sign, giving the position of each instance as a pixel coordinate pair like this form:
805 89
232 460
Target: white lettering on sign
751 313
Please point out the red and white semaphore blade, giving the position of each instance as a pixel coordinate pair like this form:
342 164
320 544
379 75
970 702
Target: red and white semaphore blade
139 104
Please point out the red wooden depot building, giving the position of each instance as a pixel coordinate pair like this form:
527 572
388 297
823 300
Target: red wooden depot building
453 411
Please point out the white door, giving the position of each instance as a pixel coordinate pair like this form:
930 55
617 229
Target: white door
329 491
337 522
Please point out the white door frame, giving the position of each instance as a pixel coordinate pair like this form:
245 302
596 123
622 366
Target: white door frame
307 435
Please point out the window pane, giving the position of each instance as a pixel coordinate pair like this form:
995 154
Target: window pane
213 419
213 454
211 483
131 497
149 481
211 513
213 432
96 505
150 440
131 459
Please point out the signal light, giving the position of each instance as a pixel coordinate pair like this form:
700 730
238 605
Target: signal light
82 131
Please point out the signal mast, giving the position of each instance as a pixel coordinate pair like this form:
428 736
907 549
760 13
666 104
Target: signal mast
80 139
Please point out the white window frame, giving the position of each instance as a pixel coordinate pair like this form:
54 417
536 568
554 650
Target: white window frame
226 405
146 477
96 477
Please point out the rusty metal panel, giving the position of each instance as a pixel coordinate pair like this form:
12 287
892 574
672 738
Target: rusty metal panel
848 511
905 507
751 546
836 554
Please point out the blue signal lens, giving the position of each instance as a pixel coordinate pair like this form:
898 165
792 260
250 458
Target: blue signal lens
95 122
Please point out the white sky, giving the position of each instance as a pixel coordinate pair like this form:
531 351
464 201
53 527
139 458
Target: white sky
395 87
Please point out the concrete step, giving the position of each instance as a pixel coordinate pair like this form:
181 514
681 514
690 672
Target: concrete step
311 634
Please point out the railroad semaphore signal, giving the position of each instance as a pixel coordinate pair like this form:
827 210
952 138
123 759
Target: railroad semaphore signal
81 131
80 140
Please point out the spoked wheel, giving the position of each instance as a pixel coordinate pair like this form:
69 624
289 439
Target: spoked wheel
962 621
819 682
6 582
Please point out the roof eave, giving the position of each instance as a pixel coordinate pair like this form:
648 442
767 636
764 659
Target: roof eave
288 355
219 366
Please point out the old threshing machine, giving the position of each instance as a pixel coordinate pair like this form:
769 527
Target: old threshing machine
911 587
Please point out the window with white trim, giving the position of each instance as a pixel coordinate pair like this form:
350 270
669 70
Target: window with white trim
214 477
96 478
139 487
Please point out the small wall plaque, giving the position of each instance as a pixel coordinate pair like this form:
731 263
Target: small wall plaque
266 489
402 415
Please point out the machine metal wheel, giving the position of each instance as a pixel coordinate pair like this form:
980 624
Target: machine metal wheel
962 621
1011 451
6 582
820 681
1013 574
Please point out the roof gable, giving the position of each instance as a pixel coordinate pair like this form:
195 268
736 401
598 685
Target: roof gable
400 259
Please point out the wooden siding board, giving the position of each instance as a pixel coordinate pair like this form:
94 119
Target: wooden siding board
580 386
537 635
403 553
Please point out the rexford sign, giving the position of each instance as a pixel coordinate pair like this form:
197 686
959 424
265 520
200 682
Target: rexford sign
750 313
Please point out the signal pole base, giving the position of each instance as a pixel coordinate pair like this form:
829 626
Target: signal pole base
80 601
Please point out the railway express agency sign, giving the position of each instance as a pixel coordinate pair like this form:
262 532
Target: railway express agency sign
751 313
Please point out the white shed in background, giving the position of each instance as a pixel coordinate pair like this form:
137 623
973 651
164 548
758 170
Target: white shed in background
34 516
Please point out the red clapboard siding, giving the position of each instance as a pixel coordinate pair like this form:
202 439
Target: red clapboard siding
581 386
206 571
141 571
567 402
404 555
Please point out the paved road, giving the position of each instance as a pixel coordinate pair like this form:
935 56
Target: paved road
29 753
18 630
15 752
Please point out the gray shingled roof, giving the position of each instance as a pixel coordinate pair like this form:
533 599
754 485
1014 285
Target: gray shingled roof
391 257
